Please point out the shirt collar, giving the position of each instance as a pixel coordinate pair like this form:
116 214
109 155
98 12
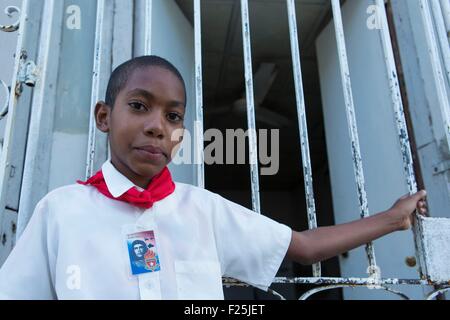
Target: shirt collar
116 182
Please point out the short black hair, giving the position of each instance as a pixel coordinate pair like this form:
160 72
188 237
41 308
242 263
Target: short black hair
119 77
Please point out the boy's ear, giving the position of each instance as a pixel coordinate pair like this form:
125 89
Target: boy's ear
102 115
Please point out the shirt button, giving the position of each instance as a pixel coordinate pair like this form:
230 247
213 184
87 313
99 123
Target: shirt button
149 285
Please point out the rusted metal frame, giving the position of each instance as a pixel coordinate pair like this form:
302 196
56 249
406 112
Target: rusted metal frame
198 95
253 149
352 126
302 123
11 27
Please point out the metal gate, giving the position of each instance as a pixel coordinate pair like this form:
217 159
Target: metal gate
23 183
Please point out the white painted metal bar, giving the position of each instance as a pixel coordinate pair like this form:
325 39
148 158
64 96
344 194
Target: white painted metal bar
442 36
148 27
95 86
311 292
41 119
328 283
11 27
351 281
253 149
198 96
302 123
352 126
400 121
97 141
396 97
438 74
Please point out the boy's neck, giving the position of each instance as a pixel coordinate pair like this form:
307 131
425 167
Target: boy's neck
137 180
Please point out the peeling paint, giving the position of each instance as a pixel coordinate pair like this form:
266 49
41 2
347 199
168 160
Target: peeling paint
254 178
302 123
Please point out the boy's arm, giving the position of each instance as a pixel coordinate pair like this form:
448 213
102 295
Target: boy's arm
319 244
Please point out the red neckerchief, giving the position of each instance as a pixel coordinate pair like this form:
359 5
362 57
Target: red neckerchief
160 187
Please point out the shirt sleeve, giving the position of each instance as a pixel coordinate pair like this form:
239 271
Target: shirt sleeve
26 272
251 247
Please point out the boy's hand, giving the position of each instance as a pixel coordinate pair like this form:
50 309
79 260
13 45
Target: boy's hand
403 209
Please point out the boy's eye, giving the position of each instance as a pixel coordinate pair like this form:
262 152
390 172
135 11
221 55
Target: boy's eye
174 117
137 106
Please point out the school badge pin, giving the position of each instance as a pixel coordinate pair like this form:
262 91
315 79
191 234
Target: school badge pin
142 252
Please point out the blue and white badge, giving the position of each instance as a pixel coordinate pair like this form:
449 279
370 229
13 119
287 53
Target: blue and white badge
142 252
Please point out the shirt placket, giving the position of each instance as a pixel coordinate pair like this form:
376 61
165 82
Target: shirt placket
149 283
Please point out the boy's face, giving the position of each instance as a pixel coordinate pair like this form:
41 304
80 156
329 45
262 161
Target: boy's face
146 113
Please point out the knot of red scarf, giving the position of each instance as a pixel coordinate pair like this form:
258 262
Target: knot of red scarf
159 187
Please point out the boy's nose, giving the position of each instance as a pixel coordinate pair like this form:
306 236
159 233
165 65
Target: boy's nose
154 125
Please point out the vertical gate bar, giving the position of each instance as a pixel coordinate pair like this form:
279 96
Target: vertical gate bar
351 119
42 115
302 123
253 155
198 95
148 27
11 117
399 115
442 36
436 67
95 91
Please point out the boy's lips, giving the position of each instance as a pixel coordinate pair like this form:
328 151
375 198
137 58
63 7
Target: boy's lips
152 150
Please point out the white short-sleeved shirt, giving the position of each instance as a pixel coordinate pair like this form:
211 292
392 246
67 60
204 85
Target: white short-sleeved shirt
74 245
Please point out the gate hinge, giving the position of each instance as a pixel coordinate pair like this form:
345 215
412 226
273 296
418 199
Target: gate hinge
27 73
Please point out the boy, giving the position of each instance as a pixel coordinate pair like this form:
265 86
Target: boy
82 239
